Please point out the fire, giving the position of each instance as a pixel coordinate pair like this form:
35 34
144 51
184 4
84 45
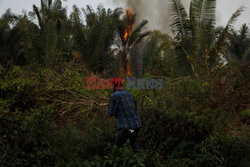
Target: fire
128 72
128 26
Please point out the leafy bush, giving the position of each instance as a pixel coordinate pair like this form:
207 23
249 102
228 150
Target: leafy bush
125 157
17 91
69 125
28 140
245 116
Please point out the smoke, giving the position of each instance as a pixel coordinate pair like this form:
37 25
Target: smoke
157 12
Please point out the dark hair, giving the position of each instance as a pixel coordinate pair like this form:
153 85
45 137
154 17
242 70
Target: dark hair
117 83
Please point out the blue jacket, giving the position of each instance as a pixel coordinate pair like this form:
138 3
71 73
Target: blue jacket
123 105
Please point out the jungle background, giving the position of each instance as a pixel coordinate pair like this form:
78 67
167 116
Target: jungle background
48 117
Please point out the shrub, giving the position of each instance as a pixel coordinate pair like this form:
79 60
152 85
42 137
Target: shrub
28 140
17 92
245 116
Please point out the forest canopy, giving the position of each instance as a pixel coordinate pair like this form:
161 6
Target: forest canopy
48 116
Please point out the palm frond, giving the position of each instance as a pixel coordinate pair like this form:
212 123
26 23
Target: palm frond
136 31
121 32
234 17
244 31
36 10
179 17
246 55
117 12
204 11
229 25
56 4
9 17
43 5
203 17
141 37
49 3
218 45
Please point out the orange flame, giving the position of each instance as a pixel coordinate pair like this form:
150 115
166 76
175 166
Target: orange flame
128 72
128 26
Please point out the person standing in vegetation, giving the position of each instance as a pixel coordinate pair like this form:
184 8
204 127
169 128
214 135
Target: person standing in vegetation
123 106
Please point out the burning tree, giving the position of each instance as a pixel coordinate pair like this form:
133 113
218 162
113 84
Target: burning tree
129 38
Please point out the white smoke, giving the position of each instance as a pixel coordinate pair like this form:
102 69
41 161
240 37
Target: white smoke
155 11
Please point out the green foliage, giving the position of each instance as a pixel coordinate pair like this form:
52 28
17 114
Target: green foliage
33 139
18 91
197 51
48 117
245 116
72 147
220 148
239 45
158 55
52 18
93 41
231 87
126 157
68 125
26 142
11 46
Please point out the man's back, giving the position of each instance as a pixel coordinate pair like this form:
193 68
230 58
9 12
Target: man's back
123 106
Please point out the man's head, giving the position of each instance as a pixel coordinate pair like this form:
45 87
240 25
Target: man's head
117 83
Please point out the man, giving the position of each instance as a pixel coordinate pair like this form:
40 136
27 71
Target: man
123 106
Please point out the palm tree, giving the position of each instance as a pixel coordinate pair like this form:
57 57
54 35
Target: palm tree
129 38
157 54
197 51
51 17
93 40
239 44
49 10
11 38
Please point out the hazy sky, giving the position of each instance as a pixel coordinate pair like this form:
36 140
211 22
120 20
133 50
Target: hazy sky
225 8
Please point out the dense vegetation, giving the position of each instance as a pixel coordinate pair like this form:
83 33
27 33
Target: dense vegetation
48 117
